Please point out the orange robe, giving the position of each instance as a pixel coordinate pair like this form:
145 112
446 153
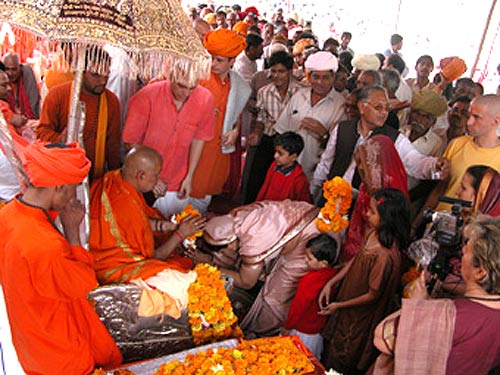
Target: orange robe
121 239
45 282
213 168
54 120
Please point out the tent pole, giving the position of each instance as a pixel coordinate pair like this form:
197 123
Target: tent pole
480 49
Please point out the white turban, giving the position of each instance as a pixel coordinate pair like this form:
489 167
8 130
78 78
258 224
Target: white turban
366 62
322 61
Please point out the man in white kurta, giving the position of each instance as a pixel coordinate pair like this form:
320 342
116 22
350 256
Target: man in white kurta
314 111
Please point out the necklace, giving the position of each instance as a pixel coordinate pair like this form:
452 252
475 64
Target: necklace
481 298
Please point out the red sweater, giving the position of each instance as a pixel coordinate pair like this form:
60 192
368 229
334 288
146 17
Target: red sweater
303 313
279 186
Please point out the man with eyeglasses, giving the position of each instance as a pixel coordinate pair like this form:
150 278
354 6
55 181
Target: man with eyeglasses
313 111
102 130
337 160
174 117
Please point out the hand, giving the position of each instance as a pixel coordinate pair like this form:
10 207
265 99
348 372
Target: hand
419 290
443 166
329 309
229 139
197 256
160 189
253 139
191 225
313 126
71 217
167 226
185 188
18 121
324 296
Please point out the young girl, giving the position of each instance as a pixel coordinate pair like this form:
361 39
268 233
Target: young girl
370 281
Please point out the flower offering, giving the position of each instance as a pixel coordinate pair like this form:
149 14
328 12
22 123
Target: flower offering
190 241
333 215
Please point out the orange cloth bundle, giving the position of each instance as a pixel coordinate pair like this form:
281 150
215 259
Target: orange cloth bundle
241 28
452 67
55 166
224 42
301 45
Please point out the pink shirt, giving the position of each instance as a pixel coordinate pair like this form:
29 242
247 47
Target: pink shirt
153 120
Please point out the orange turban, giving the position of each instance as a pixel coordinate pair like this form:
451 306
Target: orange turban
301 45
452 68
224 42
54 166
241 27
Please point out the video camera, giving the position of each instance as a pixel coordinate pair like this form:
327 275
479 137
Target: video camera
447 229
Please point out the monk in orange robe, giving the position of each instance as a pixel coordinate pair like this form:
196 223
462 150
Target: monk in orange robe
214 165
129 239
46 276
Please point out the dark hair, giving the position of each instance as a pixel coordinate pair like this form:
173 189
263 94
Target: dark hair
331 41
292 142
381 58
253 40
220 12
481 88
394 210
324 247
255 31
345 59
395 39
465 81
2 66
281 57
397 62
347 34
476 172
422 58
461 99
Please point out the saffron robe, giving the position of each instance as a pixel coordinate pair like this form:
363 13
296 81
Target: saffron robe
121 239
45 282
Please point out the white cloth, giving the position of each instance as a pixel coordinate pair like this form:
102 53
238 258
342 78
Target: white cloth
9 184
328 111
8 356
313 342
245 67
169 204
322 61
173 283
404 94
416 164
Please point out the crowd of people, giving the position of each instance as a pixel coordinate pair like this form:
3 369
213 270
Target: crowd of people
250 148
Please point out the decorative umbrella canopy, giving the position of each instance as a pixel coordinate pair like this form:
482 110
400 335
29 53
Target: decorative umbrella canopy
156 32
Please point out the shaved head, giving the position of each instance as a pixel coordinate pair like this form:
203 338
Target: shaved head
491 102
141 158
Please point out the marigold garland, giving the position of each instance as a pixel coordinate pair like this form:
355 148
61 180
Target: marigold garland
275 355
210 312
190 241
333 215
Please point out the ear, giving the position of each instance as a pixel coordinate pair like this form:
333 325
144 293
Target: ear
139 175
479 273
294 156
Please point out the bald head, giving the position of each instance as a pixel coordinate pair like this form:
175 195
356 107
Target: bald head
491 103
142 168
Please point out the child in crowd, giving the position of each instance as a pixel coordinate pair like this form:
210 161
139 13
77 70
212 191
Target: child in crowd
370 281
303 319
285 178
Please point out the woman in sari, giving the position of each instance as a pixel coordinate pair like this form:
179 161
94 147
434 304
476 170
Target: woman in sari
380 167
264 241
445 336
481 186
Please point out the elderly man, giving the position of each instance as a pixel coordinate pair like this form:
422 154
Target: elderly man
54 327
314 111
231 94
101 133
175 117
24 98
130 240
480 147
337 160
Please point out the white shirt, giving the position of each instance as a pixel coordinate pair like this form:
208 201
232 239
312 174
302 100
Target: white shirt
328 111
404 93
416 164
245 67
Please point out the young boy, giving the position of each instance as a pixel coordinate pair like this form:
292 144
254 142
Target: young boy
303 319
285 178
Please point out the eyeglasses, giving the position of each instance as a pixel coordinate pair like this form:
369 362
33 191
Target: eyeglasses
379 107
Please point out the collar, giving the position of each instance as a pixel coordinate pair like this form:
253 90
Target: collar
286 171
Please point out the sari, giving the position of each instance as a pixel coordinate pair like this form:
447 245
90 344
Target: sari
264 230
488 194
386 171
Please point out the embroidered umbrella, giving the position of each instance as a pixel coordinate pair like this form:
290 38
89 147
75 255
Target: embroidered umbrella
156 33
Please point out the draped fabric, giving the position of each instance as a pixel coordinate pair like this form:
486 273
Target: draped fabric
488 195
121 239
386 171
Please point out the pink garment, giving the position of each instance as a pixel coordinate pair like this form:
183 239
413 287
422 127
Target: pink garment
264 228
153 120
